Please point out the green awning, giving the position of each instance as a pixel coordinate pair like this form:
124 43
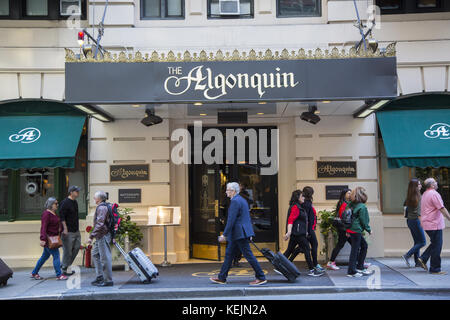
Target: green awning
416 138
48 141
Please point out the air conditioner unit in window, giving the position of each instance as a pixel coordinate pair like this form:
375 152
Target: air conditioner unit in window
229 7
70 7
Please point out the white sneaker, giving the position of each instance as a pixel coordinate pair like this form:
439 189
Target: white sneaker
364 272
332 266
356 275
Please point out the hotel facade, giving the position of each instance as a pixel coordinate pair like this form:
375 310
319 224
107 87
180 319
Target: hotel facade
205 73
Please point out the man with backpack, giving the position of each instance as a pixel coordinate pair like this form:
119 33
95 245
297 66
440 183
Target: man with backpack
103 236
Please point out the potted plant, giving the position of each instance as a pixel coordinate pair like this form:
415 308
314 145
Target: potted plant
328 231
128 227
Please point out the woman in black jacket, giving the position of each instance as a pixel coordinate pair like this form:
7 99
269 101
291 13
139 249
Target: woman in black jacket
297 231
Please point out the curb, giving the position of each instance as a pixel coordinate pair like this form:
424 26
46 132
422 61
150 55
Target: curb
194 293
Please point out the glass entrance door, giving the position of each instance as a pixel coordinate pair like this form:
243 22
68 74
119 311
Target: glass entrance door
209 204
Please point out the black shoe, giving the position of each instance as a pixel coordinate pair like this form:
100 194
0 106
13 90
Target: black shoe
105 284
97 281
68 274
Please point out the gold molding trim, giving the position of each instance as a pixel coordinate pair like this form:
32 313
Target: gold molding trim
235 55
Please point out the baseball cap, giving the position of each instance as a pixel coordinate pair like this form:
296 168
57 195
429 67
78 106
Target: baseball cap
74 188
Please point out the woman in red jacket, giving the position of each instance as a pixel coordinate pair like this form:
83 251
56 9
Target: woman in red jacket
344 200
50 226
298 231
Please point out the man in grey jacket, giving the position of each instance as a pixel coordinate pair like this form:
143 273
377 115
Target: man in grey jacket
102 250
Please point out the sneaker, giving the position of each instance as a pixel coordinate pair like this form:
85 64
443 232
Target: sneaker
62 277
68 274
97 281
406 259
315 273
217 280
365 272
36 277
278 272
367 265
422 264
332 266
319 267
258 282
440 273
355 275
105 284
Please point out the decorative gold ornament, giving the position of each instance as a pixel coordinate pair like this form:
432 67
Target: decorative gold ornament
235 55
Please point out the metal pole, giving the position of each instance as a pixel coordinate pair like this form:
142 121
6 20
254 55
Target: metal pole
165 263
359 25
127 249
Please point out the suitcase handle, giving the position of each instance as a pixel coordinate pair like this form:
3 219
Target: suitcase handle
251 241
120 248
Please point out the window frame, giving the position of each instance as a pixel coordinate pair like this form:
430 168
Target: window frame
411 7
163 9
224 17
298 16
17 11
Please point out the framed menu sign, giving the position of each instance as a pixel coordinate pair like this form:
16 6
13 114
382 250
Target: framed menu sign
130 195
336 169
334 192
135 172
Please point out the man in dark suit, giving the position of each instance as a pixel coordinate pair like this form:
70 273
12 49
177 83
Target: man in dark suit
238 232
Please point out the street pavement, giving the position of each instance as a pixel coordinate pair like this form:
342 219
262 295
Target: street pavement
390 278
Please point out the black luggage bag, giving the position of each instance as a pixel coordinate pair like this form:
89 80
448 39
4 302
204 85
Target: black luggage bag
280 263
5 273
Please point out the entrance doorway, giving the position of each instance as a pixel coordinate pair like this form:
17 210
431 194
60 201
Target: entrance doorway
208 204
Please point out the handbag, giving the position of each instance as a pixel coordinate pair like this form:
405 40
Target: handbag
54 242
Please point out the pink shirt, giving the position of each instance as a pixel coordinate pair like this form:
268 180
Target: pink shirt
431 204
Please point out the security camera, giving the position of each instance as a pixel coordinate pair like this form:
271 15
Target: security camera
310 115
150 117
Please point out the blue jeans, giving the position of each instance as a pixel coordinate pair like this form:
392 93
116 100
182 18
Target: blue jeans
418 237
433 250
244 246
358 253
45 255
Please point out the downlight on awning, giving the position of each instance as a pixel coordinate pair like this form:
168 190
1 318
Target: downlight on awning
48 141
416 138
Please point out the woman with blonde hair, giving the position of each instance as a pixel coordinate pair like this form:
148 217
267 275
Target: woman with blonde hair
360 223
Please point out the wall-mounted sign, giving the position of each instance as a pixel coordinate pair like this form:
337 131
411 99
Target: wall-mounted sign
238 81
135 172
333 192
336 169
130 195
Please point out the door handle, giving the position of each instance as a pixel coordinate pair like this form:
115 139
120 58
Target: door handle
216 208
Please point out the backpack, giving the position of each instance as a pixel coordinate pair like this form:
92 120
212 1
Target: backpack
300 225
114 219
346 220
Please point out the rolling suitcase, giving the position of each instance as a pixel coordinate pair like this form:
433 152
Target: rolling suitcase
140 263
281 263
5 273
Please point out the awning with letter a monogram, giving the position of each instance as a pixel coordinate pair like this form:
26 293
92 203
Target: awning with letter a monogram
35 136
416 138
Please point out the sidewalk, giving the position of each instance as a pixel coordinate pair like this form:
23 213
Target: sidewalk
191 281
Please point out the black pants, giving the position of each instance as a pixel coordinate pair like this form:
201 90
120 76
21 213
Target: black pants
314 247
358 253
342 239
303 244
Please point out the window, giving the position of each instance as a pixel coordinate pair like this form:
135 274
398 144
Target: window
394 183
299 8
3 193
36 186
245 7
412 6
4 8
162 9
36 8
42 9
